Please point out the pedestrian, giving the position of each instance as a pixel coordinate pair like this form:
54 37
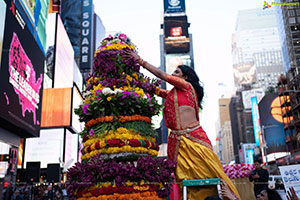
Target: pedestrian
260 177
268 194
188 143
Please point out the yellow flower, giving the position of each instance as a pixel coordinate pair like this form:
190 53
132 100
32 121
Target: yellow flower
108 98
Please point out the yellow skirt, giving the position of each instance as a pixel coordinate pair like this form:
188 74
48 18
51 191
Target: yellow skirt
196 161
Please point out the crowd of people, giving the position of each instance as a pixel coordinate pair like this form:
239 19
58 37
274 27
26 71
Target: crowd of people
37 192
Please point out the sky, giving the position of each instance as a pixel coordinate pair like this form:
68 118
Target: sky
212 24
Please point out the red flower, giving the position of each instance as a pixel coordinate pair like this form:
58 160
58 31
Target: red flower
134 143
88 149
113 143
97 145
147 144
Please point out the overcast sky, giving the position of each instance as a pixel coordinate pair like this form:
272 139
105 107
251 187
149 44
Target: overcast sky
212 24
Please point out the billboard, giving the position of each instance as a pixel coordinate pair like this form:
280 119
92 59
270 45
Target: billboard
244 73
21 77
56 110
34 15
48 148
2 23
86 47
64 57
173 60
54 6
256 121
176 26
174 6
272 123
246 95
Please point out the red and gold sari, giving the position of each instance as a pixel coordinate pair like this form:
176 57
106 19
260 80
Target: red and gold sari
188 143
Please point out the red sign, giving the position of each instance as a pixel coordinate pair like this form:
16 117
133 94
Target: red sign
297 156
176 31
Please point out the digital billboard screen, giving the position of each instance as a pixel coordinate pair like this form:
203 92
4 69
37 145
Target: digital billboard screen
2 23
272 123
174 6
64 57
21 78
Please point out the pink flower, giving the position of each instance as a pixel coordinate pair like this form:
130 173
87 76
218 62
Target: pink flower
91 133
122 36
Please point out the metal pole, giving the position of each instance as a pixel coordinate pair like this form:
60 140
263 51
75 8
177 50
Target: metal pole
264 145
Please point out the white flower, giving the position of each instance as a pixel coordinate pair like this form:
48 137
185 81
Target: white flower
145 97
106 91
118 91
86 94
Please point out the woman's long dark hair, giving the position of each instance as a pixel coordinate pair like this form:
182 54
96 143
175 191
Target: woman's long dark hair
194 80
273 194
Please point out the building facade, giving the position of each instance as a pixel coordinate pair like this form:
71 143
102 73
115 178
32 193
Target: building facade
256 50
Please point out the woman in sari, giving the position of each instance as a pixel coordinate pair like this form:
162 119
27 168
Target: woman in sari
188 143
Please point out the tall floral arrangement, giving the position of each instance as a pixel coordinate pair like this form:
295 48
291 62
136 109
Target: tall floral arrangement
119 154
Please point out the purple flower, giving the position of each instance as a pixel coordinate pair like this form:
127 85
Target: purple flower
85 107
91 132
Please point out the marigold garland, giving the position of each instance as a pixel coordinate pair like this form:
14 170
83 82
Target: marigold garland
121 133
125 148
135 196
121 119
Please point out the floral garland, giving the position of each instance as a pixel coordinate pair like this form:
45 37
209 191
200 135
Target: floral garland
120 143
135 196
238 170
118 102
147 169
111 189
125 148
121 119
121 133
116 42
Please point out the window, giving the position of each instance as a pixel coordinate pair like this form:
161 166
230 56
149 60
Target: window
292 20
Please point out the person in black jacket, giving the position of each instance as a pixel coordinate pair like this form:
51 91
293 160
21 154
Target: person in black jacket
260 176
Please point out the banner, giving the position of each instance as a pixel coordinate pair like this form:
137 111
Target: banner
291 177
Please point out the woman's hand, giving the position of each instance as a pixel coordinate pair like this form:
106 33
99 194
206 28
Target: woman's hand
226 192
132 54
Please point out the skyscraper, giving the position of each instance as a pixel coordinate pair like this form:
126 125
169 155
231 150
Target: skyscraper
256 50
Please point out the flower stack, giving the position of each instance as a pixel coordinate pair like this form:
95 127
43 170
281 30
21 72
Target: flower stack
238 170
119 155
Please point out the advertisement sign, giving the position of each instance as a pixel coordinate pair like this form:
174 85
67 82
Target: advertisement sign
48 148
86 47
173 60
272 123
176 23
56 109
256 122
2 22
246 95
174 6
21 77
244 73
64 57
250 153
291 177
34 14
54 6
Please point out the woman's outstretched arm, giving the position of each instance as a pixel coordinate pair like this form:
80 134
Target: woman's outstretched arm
175 81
